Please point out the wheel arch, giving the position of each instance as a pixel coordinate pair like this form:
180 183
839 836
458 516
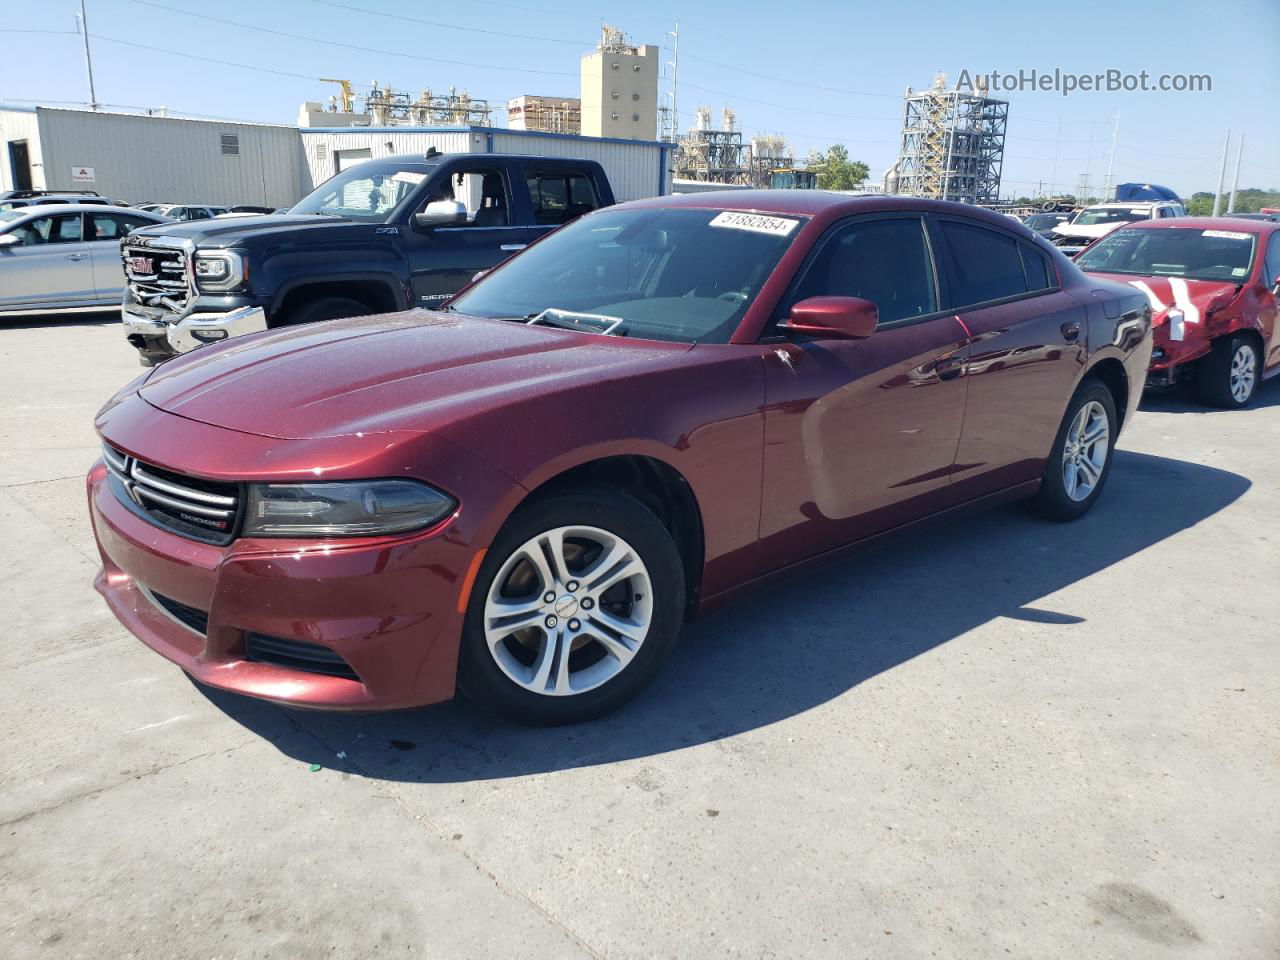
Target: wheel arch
376 291
655 483
1111 372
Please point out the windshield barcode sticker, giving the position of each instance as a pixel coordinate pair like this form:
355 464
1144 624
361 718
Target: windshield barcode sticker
1225 234
756 223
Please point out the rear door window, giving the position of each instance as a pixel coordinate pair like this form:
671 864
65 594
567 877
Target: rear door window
984 264
560 197
113 226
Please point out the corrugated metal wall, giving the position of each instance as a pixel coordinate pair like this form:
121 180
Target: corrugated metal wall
322 146
636 168
138 158
20 125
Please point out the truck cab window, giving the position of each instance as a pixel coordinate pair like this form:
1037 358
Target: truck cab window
560 197
484 193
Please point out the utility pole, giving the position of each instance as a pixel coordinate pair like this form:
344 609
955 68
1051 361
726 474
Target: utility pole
1057 149
88 61
1235 182
675 82
1110 184
1222 175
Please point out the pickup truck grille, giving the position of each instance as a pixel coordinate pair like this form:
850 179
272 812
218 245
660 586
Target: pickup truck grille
157 275
198 509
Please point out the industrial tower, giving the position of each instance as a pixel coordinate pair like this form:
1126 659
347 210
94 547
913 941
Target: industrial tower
952 144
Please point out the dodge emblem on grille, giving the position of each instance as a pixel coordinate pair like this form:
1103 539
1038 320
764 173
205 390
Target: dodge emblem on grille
141 264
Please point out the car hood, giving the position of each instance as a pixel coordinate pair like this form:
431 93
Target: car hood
1192 297
416 371
233 230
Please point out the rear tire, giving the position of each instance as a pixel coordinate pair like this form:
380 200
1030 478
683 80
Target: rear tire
323 308
1228 376
547 642
1080 461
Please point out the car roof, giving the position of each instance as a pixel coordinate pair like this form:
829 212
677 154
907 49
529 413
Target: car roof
36 210
1233 224
811 203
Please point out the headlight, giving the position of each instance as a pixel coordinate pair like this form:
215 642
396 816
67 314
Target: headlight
366 508
219 271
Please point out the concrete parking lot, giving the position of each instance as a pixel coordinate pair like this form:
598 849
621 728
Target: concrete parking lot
1001 738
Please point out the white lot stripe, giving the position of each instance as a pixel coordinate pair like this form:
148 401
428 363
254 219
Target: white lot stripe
1156 303
158 723
1182 296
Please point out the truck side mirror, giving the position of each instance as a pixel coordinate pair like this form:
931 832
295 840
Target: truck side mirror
441 213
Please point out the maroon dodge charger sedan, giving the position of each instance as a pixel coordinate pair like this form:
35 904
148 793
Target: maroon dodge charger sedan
527 493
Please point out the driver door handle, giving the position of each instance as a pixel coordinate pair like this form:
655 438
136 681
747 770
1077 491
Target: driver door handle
77 256
513 246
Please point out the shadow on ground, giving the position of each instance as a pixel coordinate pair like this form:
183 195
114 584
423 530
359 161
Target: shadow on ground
798 644
47 320
1182 399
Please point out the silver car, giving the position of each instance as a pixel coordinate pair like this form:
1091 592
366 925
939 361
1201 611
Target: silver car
64 258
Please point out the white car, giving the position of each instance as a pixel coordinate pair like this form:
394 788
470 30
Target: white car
188 211
1100 219
64 258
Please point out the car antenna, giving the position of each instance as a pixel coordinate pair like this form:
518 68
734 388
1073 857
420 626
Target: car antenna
432 153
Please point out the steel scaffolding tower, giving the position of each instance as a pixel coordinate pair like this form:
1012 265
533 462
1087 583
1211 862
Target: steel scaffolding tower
952 144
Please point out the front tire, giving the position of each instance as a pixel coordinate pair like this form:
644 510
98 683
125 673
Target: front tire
1228 376
576 606
1080 461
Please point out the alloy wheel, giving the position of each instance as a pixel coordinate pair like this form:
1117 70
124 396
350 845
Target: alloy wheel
1084 453
568 610
1243 372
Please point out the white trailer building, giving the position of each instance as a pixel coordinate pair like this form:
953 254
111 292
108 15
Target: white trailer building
135 158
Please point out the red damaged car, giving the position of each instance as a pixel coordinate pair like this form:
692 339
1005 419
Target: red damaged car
626 424
1214 287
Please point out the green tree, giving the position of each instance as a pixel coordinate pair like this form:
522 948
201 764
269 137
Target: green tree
837 172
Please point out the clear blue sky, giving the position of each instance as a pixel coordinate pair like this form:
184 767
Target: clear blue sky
868 52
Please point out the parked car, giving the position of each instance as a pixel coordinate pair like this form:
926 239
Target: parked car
380 236
1214 286
63 258
183 211
41 198
634 420
1099 220
1273 217
1043 223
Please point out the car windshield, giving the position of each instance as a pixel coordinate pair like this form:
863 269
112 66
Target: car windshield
367 192
1196 254
686 275
1043 221
8 216
1093 216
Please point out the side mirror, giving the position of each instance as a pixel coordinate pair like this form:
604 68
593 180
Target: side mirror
9 239
845 318
441 213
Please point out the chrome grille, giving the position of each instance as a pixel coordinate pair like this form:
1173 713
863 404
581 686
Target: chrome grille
157 276
200 509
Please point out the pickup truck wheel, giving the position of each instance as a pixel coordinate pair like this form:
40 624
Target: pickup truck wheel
1081 457
577 604
324 308
1228 376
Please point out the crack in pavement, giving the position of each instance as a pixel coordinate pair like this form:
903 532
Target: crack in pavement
447 839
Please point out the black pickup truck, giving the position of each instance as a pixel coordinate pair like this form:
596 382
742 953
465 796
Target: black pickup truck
381 236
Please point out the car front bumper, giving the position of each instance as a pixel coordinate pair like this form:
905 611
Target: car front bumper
391 607
159 337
